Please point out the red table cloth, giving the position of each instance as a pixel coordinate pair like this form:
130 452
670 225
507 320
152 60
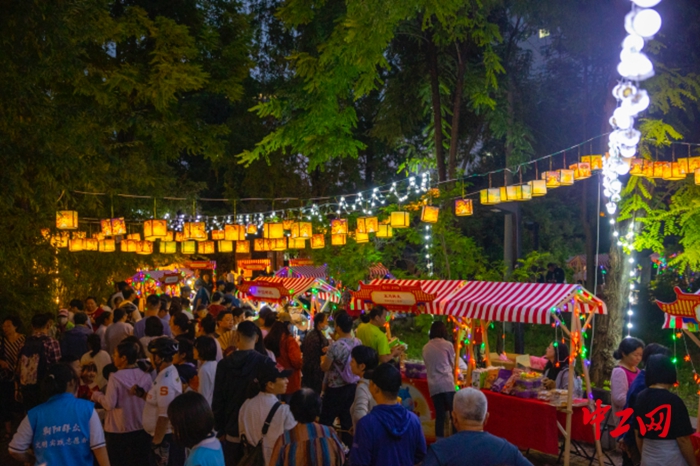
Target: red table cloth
532 424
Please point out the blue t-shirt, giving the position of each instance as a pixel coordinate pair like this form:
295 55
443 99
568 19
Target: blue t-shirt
468 448
203 297
206 453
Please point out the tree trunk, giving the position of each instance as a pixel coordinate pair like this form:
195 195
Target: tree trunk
456 107
437 107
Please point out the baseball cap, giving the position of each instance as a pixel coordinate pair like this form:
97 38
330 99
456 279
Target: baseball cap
386 377
270 371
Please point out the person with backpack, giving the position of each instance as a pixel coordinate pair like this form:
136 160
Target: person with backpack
39 352
263 418
340 381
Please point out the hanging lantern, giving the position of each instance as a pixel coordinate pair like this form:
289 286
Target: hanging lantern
339 240
154 229
690 163
297 243
318 241
130 246
339 226
287 224
106 225
566 177
367 224
188 247
144 248
78 234
302 230
168 247
195 231
490 196
674 171
168 237
205 247
400 219
180 237
637 167
279 244
595 161
259 244
385 231
67 219
361 237
429 214
242 247
552 179
517 193
107 245
217 235
464 207
118 226
582 170
91 244
252 229
225 246
46 233
660 168
273 230
234 233
134 236
60 240
76 244
538 188
98 236
697 176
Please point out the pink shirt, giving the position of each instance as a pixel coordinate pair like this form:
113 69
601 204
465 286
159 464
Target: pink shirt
124 411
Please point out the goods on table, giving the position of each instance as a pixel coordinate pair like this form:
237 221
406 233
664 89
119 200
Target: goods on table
554 397
415 370
527 385
483 378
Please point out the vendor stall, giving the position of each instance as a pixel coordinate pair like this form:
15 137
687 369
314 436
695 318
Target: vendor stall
302 271
246 267
168 281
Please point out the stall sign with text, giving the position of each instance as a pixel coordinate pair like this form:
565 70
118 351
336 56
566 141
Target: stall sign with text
401 298
659 420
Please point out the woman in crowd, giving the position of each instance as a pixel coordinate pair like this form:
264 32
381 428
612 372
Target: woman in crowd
661 447
205 353
266 317
557 356
153 329
180 325
439 358
127 443
260 345
193 427
629 353
43 430
97 356
363 359
308 443
11 343
103 321
287 353
313 347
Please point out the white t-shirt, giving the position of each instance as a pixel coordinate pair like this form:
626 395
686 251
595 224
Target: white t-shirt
101 359
252 418
165 388
207 374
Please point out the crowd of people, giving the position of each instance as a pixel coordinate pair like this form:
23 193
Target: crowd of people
214 383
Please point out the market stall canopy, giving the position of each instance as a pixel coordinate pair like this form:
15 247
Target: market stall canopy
379 271
518 302
302 271
265 290
685 306
253 264
295 287
168 277
440 288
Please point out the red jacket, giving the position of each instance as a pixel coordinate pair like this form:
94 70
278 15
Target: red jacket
290 358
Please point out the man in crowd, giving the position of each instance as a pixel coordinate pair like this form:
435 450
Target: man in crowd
202 295
119 288
74 341
153 308
471 445
390 434
75 305
371 335
92 310
132 311
119 330
216 305
230 292
38 353
554 274
234 375
224 330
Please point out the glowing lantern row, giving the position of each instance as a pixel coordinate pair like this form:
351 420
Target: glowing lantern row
464 207
339 226
154 229
98 236
113 226
429 214
273 230
205 247
318 241
400 219
78 234
144 247
595 162
297 243
129 245
134 236
234 233
385 231
168 247
243 247
517 193
581 170
168 237
287 224
367 224
180 236
339 239
301 230
188 247
60 240
538 188
66 219
261 244
490 196
91 244
76 244
217 235
279 244
225 246
107 245
195 231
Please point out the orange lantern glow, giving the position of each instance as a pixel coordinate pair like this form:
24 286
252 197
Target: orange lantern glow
637 167
252 229
144 248
91 244
339 240
367 224
154 229
106 225
196 231
242 247
697 176
464 207
490 196
318 241
128 245
261 244
134 236
660 168
98 236
66 219
60 240
339 226
674 171
76 244
107 245
566 177
118 226
225 246
168 247
400 219
361 237
297 243
538 188
595 161
302 230
168 236
217 235
273 230
234 233
180 236
188 247
287 224
205 247
581 170
279 244
78 234
429 214
552 179
385 231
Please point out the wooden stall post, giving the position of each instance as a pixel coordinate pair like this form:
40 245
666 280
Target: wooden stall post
697 342
589 393
458 350
575 327
470 348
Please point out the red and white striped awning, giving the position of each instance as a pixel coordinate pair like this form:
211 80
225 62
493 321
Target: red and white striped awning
378 271
298 286
518 302
302 271
441 288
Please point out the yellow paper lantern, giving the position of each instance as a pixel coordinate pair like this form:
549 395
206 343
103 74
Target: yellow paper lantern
259 244
168 247
338 240
273 230
297 243
552 179
367 224
400 219
91 244
234 233
129 245
144 247
107 245
66 219
188 247
154 229
538 188
464 207
98 236
134 236
660 168
196 231
697 176
252 229
225 246
361 237
168 238
429 214
566 177
78 234
490 196
76 244
302 230
242 247
637 167
595 161
106 225
279 244
287 224
516 193
339 226
582 170
674 172
385 231
690 163
180 237
318 241
205 247
60 240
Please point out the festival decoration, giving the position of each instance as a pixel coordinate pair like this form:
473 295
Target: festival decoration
385 231
361 237
674 171
168 247
464 207
538 188
301 230
552 179
78 234
168 236
400 298
338 240
339 226
154 229
225 246
67 219
594 161
234 233
297 243
400 219
262 245
318 241
582 170
107 245
279 244
242 247
490 196
144 247
367 224
566 177
252 229
188 247
217 235
686 305
516 193
205 247
134 236
76 244
196 231
91 244
287 224
273 230
98 236
60 240
129 245
660 168
429 214
180 237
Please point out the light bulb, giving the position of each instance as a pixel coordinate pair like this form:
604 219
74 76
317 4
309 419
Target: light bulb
611 207
646 3
629 325
631 260
637 102
633 42
646 22
629 313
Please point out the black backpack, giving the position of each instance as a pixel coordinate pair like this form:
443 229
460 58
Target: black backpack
31 363
253 455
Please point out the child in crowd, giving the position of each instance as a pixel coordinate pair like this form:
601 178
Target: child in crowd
193 427
88 385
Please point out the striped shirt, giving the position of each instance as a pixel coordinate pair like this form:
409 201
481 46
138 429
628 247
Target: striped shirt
10 353
308 444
